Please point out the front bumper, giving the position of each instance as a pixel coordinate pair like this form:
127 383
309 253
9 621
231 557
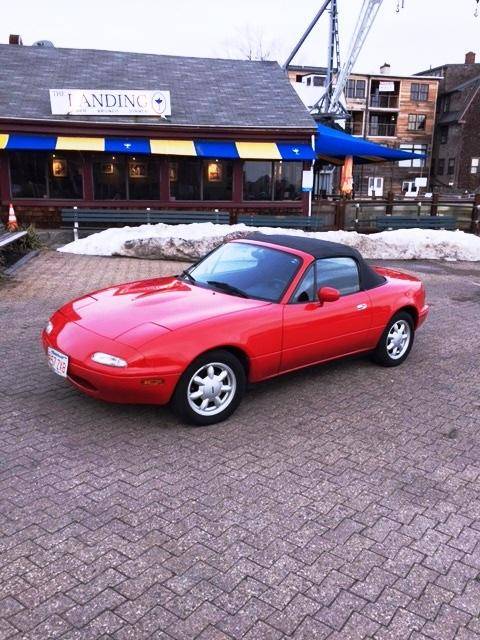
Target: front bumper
116 385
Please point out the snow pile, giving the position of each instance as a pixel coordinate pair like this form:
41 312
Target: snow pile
192 241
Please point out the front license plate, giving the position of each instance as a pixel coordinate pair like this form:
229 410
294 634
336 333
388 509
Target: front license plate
58 362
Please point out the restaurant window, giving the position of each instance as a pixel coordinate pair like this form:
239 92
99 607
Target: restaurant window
451 166
287 180
28 174
416 121
419 92
143 179
125 178
185 179
441 167
474 165
217 179
65 177
413 148
110 178
257 180
266 180
45 175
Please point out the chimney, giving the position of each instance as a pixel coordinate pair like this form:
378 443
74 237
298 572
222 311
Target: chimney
15 39
470 58
385 69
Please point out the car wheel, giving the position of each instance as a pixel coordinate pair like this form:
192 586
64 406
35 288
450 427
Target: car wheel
396 341
211 389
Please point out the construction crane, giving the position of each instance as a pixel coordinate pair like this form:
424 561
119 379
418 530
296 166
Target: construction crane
329 107
330 104
365 20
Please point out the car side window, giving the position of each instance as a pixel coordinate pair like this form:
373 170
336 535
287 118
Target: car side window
340 273
305 291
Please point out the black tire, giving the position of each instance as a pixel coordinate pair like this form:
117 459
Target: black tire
221 361
385 355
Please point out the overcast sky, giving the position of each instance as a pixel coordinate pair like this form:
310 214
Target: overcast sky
425 33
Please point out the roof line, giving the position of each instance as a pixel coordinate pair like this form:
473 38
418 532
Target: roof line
465 84
136 53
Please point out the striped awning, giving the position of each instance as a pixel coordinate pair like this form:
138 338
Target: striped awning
197 148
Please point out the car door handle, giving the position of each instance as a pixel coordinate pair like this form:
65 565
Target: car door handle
361 307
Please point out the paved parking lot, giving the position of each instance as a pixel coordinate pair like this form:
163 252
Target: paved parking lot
339 502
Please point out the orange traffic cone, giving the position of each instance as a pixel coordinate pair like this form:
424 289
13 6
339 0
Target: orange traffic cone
12 224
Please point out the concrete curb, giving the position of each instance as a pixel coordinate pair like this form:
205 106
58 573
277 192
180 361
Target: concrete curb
20 263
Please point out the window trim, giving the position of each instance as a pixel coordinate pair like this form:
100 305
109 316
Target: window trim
413 122
356 94
413 148
415 88
313 266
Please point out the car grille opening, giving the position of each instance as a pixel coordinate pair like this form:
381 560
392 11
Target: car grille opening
82 382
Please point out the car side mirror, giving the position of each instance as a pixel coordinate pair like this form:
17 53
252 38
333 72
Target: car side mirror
328 294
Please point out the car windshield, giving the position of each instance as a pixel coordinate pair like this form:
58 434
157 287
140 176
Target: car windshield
246 270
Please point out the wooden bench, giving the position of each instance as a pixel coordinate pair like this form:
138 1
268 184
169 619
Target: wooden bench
10 236
423 222
91 219
282 222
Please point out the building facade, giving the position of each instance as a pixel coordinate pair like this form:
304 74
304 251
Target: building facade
456 146
234 137
393 110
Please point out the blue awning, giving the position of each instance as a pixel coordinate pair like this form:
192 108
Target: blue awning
215 149
127 145
31 141
334 145
293 151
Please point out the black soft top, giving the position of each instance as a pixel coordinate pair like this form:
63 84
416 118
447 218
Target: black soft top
323 249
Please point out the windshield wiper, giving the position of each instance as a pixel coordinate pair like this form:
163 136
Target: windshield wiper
228 288
188 276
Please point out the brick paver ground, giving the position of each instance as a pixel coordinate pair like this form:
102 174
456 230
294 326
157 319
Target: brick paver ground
339 502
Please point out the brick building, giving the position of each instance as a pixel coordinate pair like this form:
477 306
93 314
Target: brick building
393 110
456 147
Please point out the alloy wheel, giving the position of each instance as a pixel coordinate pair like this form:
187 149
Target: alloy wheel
398 339
211 388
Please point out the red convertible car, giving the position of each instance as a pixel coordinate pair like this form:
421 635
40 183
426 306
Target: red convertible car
250 310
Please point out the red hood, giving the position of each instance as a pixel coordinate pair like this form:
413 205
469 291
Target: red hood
162 302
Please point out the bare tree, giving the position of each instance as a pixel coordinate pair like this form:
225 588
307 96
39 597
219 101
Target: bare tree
250 43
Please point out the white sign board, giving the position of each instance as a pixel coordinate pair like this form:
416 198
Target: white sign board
386 86
307 180
110 102
420 182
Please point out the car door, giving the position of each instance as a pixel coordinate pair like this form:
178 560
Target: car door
314 332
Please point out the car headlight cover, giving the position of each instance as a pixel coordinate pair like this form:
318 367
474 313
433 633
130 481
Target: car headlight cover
108 360
48 328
